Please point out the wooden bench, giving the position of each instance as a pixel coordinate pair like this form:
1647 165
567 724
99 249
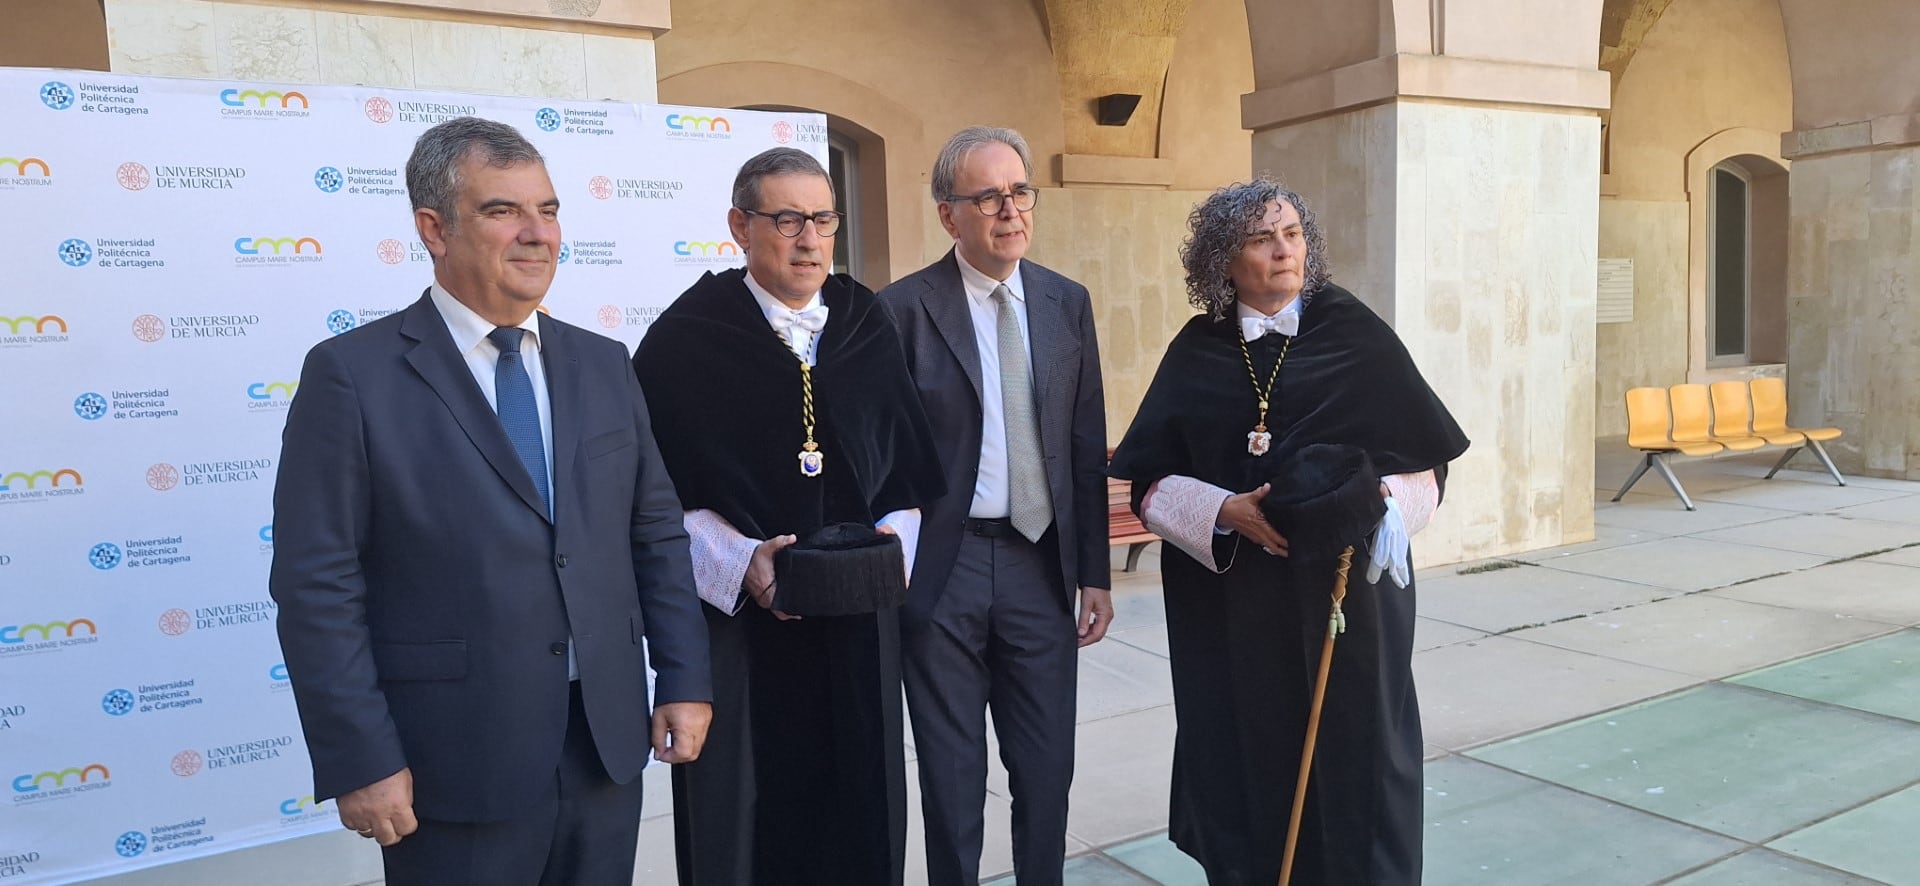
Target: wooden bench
1123 527
1698 420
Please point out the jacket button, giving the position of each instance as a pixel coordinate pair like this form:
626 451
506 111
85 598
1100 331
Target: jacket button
559 648
560 561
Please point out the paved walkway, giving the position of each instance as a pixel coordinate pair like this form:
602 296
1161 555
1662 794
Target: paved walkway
1727 696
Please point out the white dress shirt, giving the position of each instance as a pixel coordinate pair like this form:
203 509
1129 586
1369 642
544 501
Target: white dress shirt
991 498
803 341
469 331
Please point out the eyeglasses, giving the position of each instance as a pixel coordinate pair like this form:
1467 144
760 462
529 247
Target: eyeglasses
789 223
990 202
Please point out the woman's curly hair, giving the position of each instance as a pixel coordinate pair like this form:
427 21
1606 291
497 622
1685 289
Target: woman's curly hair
1217 230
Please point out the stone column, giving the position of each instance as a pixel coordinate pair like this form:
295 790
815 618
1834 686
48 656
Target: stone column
1460 199
1853 265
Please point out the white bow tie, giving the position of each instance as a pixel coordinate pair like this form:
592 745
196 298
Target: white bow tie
812 319
1285 323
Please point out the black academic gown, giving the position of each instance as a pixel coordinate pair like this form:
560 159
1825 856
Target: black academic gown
802 779
1245 644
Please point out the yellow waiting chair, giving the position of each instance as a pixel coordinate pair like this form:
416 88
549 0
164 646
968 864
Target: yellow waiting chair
1770 419
1653 428
1693 421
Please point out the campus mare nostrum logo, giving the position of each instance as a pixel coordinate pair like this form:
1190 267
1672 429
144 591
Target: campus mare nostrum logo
251 103
60 782
276 252
705 252
697 126
47 635
32 329
42 484
24 171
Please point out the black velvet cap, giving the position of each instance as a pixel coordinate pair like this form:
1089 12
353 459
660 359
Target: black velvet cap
841 569
1325 497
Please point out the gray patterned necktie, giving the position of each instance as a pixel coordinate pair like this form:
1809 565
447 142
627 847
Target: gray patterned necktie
1032 504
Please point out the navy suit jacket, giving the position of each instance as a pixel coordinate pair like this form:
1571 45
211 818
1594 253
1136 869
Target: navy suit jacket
930 309
425 596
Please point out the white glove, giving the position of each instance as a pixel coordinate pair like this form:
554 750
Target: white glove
1390 548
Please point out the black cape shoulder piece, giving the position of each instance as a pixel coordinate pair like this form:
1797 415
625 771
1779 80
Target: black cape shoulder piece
1346 379
724 392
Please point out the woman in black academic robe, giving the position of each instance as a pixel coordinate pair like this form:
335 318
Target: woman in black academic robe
1245 625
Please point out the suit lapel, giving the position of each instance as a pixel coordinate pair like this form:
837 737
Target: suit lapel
945 301
1050 344
562 366
445 371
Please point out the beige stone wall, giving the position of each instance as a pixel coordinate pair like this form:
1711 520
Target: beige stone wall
1124 246
1707 67
1855 349
1472 229
197 38
1651 350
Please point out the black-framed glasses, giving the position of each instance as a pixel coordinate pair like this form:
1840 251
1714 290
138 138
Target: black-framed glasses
990 203
789 223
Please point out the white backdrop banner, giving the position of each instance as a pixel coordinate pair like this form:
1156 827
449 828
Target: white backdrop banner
171 250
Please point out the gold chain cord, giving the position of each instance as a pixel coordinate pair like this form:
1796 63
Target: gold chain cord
806 389
1265 394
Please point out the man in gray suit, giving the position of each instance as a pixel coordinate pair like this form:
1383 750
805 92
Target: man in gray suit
1002 352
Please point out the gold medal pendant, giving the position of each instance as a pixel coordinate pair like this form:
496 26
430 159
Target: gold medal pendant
812 460
1260 440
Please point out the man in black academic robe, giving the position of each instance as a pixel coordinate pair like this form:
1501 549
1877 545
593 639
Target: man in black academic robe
804 773
1245 629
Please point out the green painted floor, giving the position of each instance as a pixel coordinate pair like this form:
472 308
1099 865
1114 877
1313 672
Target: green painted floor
1801 772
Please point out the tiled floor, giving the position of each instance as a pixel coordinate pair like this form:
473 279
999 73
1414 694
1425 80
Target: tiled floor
1727 696
1724 696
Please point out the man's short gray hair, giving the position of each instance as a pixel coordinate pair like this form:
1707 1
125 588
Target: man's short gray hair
946 167
1218 229
433 172
768 163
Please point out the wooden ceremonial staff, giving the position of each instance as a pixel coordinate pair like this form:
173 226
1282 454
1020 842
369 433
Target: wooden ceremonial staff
1336 624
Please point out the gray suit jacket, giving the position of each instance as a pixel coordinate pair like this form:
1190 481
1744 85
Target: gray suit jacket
930 309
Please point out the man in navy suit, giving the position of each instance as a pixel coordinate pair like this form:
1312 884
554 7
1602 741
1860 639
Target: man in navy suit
1003 355
474 535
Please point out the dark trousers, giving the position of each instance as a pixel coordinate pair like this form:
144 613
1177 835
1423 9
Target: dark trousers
1001 635
585 837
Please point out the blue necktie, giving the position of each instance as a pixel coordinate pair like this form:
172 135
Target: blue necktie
519 414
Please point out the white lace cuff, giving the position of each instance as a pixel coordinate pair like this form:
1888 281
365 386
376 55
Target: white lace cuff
906 525
1418 496
1184 511
720 558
